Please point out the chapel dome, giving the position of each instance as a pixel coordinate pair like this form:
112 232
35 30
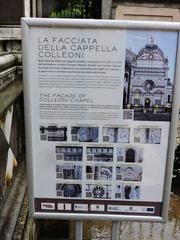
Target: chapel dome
151 48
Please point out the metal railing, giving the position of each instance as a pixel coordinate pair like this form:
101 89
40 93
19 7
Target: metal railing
14 221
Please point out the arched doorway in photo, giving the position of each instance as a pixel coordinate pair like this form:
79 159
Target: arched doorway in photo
130 155
147 103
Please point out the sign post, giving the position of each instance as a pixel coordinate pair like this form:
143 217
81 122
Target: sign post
79 230
101 110
115 230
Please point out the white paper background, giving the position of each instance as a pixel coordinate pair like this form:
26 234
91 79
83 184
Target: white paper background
44 158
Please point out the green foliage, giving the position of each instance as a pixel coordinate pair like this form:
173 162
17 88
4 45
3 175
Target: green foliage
176 171
74 9
66 13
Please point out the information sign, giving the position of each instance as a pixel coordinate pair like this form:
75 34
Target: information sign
100 100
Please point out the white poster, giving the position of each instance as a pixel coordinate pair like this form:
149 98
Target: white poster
101 103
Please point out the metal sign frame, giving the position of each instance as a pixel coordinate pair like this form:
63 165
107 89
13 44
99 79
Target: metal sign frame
27 23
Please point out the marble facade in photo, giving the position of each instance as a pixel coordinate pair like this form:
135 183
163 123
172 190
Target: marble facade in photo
147 87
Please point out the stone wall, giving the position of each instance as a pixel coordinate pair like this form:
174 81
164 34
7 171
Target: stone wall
141 10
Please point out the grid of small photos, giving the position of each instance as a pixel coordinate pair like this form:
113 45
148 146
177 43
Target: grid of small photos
91 166
109 134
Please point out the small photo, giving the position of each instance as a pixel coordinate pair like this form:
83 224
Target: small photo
116 135
147 135
149 74
99 173
84 134
53 133
98 191
129 173
69 190
131 192
100 154
69 171
69 153
118 191
130 154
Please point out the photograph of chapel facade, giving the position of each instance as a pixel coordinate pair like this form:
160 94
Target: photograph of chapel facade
148 78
